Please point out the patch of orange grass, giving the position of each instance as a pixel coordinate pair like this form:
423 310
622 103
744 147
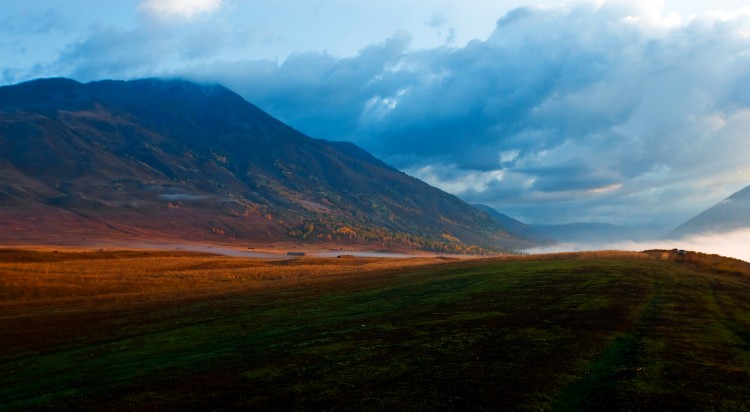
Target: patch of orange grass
70 279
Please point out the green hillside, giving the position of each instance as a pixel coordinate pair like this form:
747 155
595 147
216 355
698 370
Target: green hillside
595 331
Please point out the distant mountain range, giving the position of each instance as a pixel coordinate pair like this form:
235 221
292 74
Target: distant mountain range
579 232
732 213
594 233
169 159
516 227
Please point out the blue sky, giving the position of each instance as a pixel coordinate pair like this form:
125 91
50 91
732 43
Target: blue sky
628 112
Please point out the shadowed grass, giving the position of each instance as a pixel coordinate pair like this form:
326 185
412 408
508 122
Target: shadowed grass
611 331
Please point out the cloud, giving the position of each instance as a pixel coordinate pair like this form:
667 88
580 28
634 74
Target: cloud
317 93
112 53
437 21
440 23
35 23
185 9
603 106
147 50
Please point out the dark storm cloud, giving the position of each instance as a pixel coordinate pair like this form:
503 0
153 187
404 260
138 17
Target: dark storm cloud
316 92
586 102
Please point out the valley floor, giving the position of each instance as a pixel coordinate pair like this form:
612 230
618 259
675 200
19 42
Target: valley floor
178 330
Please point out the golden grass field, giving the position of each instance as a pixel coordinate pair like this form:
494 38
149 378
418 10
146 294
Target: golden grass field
176 330
30 278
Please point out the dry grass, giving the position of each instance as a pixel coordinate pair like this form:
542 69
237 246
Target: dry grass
582 331
76 279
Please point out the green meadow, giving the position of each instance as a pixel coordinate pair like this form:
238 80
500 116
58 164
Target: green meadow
592 331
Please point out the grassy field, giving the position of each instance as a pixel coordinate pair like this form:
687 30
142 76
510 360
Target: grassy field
181 331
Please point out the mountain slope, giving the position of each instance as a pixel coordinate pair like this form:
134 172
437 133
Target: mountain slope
730 214
172 159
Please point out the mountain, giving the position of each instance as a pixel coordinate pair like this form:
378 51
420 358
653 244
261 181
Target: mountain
728 215
579 232
516 227
174 160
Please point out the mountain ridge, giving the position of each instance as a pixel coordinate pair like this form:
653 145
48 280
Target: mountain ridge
178 159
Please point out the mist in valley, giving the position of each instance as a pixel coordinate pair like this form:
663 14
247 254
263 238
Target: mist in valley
729 244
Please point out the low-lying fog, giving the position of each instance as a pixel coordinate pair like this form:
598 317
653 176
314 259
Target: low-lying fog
730 244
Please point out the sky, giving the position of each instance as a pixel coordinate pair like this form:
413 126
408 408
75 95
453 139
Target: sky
635 113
